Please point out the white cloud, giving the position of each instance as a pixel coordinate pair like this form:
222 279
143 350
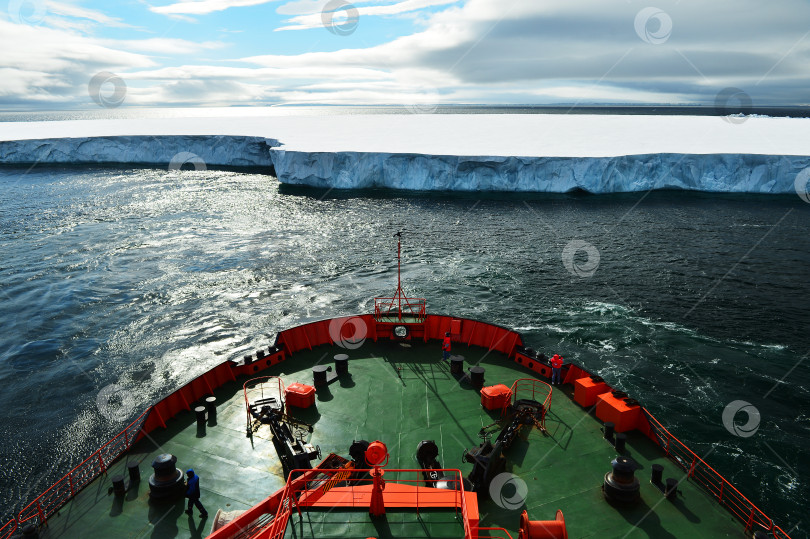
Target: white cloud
78 12
522 51
313 19
203 7
162 45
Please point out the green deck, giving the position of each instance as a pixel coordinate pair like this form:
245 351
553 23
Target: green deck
399 396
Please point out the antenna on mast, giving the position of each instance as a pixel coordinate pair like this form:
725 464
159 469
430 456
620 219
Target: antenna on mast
415 308
399 293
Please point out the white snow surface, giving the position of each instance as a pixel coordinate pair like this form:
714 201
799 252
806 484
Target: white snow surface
551 153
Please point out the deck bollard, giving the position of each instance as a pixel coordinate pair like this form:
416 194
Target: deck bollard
621 440
671 489
477 377
342 364
657 474
134 472
118 485
199 411
609 428
319 375
211 406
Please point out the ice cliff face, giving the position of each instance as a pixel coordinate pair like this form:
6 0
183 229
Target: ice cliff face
142 150
733 173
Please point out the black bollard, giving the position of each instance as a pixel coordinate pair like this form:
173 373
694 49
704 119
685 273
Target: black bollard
319 375
211 406
657 474
477 377
118 485
30 531
621 439
134 472
199 411
341 364
609 426
671 488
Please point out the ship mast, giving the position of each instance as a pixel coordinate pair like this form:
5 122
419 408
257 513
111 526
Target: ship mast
399 294
415 308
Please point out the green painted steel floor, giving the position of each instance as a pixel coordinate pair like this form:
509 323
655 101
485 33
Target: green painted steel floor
399 396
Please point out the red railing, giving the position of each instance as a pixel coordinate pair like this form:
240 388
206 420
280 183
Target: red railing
38 511
8 530
261 389
294 496
537 387
415 309
715 484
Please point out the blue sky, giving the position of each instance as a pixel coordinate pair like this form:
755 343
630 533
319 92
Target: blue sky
266 52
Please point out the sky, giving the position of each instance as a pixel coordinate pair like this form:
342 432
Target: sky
72 54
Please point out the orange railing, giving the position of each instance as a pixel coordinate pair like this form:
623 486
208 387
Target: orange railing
293 496
701 473
50 501
9 529
537 387
259 388
414 309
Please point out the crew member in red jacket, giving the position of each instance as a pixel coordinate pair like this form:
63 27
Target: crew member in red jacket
446 347
556 369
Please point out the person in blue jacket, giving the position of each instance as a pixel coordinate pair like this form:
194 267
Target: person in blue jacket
193 493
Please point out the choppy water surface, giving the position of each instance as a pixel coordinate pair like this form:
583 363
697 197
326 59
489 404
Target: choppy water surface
143 279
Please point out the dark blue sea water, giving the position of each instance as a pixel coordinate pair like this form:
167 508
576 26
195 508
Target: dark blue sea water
144 279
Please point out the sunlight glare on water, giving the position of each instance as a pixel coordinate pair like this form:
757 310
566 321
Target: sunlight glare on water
141 279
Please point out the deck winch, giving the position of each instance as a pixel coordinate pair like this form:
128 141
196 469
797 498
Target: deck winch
168 482
488 459
293 450
620 484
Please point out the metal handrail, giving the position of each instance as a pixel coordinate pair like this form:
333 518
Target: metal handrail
715 484
50 501
294 487
8 529
416 307
523 383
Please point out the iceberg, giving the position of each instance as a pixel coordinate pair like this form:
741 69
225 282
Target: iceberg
167 150
508 153
723 173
